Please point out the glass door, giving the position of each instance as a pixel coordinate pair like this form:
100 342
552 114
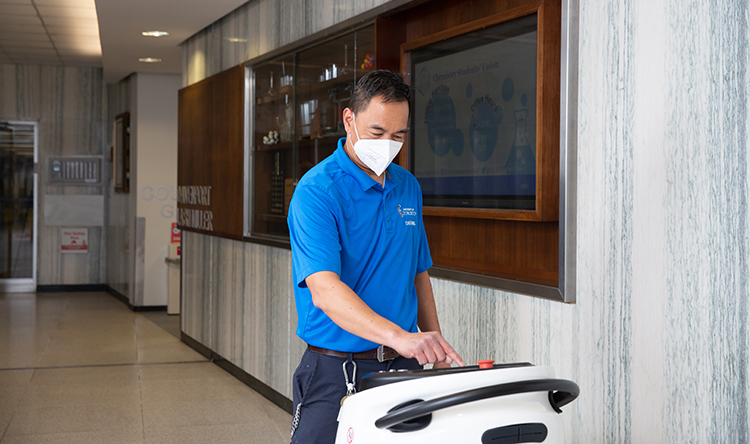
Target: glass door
17 206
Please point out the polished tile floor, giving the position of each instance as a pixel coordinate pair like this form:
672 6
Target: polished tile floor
82 368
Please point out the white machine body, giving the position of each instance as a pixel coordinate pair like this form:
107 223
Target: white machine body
464 423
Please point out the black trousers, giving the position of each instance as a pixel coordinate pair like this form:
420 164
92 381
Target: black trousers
318 386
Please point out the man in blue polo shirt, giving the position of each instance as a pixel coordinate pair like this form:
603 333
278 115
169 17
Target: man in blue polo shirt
360 260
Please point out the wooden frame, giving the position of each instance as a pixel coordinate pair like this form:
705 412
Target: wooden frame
547 110
121 153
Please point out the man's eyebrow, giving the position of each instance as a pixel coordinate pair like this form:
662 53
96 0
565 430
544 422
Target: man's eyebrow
382 130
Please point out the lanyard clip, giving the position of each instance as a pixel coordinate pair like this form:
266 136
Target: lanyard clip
350 384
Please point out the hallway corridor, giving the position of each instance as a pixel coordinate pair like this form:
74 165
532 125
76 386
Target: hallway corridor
82 368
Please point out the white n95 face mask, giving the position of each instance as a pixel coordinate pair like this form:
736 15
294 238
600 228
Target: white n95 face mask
377 154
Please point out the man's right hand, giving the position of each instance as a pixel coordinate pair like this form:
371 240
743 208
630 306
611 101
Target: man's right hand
427 348
347 310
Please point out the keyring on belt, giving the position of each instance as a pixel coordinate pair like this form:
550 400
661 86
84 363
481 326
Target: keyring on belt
350 388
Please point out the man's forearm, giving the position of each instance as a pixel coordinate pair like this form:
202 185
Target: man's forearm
427 318
348 311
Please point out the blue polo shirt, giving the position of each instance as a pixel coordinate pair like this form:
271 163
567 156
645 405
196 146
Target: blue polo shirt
341 220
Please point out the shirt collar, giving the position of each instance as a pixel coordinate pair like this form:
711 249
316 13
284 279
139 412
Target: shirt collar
365 182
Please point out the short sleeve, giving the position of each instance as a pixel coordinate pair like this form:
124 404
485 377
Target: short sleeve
313 233
424 260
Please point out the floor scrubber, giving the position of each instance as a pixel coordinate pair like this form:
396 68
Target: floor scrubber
486 403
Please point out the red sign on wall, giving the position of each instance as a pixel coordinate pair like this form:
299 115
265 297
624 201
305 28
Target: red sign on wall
75 240
175 233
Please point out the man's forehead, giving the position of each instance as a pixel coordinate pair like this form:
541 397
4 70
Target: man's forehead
384 113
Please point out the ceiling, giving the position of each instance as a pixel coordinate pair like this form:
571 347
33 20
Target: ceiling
105 33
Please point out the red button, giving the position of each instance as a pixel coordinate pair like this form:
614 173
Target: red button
486 363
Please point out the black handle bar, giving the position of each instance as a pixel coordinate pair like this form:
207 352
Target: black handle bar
561 392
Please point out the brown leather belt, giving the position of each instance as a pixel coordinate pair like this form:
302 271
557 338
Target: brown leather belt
382 353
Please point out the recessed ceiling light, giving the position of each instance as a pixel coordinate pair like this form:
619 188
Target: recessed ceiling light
236 40
154 33
149 60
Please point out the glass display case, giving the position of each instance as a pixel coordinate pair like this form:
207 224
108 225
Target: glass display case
272 142
297 104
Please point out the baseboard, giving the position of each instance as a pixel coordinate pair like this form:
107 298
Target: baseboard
70 288
195 345
149 308
119 296
122 298
254 383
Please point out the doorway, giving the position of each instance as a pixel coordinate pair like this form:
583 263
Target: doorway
18 195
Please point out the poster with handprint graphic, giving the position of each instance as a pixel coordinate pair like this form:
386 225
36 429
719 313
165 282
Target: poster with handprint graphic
474 113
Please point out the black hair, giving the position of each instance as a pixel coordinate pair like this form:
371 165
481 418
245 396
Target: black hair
389 86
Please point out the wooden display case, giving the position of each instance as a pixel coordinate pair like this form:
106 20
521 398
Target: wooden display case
510 249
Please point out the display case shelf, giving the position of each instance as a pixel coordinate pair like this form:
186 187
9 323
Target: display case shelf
309 142
271 218
279 96
275 146
316 88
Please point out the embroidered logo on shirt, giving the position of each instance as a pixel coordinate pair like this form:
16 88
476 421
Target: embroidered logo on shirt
407 213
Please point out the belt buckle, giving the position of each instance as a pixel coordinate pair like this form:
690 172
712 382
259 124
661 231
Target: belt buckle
381 354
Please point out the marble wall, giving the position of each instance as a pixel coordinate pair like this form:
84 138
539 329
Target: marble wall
658 337
237 300
261 26
67 103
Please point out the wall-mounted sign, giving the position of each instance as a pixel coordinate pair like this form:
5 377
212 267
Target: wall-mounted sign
75 240
175 233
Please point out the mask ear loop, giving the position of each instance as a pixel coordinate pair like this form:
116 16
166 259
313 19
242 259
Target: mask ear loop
354 119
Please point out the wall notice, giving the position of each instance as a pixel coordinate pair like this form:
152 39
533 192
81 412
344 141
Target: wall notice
75 240
175 234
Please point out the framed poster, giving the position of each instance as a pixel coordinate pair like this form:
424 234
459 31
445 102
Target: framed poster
121 153
474 126
485 121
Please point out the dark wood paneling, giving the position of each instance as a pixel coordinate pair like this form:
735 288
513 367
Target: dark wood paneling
439 15
211 148
389 34
524 251
548 111
478 241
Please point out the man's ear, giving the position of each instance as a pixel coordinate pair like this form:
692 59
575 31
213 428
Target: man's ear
348 118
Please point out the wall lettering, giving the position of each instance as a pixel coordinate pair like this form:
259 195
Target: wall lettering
198 219
194 195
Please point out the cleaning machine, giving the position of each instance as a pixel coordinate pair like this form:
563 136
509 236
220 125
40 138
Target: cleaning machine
488 403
